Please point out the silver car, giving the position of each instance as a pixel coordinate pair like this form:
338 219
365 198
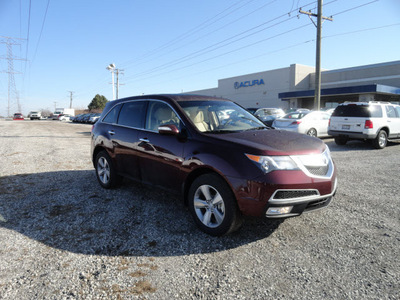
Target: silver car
314 123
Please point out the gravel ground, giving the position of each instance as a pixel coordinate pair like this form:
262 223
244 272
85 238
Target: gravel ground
63 237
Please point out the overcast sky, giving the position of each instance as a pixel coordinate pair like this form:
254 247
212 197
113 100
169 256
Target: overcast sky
178 45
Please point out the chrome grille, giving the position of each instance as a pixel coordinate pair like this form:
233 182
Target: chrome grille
318 171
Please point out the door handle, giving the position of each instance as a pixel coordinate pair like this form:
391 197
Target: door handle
111 132
146 140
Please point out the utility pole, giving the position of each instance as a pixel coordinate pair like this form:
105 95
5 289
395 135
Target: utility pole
70 98
317 96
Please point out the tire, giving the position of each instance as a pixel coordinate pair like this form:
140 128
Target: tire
213 205
340 141
105 171
312 132
380 141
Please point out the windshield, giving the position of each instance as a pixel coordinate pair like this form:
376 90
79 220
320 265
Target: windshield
220 116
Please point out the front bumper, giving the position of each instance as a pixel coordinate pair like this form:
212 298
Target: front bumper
294 191
289 203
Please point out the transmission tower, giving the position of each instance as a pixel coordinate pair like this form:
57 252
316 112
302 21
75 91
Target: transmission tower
12 88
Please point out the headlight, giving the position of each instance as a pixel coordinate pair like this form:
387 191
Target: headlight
272 163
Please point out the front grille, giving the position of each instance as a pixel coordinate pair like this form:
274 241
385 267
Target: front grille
295 194
318 171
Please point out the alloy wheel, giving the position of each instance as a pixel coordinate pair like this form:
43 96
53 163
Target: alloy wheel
103 170
209 206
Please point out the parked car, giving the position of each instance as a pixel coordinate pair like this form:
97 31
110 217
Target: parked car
223 171
35 115
80 118
268 115
77 117
64 117
18 116
314 123
94 118
370 121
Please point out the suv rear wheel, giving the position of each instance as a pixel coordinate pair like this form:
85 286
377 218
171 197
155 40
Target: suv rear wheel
213 205
381 140
105 171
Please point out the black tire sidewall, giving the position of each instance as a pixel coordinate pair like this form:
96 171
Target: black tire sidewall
113 176
231 211
340 141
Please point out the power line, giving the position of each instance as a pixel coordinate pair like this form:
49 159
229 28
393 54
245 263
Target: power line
41 31
234 50
187 33
178 61
199 52
29 29
353 8
196 39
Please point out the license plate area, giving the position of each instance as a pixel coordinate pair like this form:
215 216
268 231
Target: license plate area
346 127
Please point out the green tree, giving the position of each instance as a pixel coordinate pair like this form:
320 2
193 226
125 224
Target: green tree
98 103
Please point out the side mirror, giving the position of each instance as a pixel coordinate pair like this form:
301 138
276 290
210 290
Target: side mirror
168 129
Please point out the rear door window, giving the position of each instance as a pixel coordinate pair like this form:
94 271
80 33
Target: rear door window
132 114
360 111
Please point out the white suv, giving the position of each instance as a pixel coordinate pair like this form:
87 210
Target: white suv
375 121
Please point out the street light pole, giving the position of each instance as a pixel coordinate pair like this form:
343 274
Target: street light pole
111 68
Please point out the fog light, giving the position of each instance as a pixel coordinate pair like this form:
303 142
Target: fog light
279 210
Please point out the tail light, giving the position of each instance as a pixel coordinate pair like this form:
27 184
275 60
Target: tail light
368 124
295 123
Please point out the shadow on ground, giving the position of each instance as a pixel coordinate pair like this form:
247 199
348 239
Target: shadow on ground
68 210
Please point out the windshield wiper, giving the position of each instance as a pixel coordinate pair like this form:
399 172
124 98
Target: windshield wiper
258 128
221 131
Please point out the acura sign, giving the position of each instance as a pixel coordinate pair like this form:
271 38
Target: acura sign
239 85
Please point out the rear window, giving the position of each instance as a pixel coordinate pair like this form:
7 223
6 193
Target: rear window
360 111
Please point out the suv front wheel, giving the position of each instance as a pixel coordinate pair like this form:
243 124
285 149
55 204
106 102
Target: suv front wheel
213 205
381 140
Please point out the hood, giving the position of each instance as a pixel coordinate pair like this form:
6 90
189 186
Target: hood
273 142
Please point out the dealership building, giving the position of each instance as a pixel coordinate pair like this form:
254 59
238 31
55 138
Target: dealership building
294 86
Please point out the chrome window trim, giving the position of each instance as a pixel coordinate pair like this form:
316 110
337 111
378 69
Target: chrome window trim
140 100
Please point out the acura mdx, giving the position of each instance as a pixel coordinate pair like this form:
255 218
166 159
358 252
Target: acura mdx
223 160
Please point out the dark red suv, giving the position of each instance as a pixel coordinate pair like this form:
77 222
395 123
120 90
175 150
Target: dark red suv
224 161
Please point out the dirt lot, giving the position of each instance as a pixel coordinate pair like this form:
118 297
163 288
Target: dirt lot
63 237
